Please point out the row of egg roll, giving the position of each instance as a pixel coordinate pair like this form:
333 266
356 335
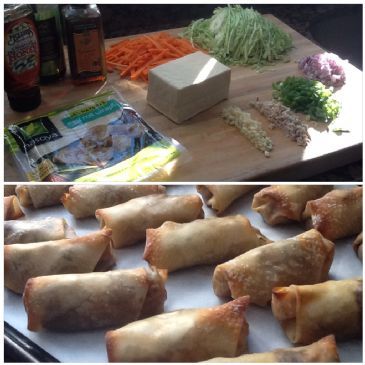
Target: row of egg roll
94 300
136 215
83 200
277 203
335 213
80 200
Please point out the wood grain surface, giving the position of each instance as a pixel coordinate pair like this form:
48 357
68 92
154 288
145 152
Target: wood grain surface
218 152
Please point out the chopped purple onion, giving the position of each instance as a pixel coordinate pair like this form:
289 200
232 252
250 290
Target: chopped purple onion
324 67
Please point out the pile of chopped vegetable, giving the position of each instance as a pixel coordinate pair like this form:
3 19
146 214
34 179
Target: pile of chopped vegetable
250 128
307 96
134 57
324 67
282 117
238 36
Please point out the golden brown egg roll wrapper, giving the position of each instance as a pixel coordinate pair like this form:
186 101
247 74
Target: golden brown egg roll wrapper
94 300
12 208
284 203
357 245
26 231
337 214
309 312
76 255
9 190
324 350
130 220
204 241
39 196
220 197
83 200
303 259
186 335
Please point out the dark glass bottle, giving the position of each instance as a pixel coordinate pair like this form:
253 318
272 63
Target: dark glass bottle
21 58
52 59
85 43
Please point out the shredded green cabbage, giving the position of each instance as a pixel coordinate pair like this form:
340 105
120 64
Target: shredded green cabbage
238 36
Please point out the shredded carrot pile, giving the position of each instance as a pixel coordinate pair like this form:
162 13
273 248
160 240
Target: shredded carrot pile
134 57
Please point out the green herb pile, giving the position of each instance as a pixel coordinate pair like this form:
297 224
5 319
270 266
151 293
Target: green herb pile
307 96
238 36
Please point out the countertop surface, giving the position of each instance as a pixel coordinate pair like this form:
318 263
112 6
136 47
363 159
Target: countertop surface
218 152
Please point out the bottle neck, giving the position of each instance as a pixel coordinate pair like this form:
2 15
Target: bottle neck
16 11
44 12
83 6
84 10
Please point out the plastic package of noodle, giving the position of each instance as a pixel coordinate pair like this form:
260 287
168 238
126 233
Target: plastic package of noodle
96 139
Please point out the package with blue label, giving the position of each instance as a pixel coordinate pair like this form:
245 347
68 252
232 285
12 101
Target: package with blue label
97 139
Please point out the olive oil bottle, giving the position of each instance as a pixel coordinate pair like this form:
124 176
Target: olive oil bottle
52 59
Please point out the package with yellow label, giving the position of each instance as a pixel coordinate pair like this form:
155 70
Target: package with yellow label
97 139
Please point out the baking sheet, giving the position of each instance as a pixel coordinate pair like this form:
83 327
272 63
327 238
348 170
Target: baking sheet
188 288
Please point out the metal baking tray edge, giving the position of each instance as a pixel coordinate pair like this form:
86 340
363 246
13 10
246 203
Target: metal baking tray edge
18 348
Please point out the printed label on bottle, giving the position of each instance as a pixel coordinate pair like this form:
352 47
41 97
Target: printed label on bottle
22 52
88 55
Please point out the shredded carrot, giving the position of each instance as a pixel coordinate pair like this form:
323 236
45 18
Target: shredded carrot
134 57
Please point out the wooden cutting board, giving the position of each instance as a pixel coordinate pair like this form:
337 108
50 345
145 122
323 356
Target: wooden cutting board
218 152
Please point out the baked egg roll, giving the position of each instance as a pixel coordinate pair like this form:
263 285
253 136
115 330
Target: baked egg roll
83 200
25 231
94 300
220 197
39 196
357 245
309 312
130 220
284 203
337 214
76 255
187 335
12 209
303 259
324 350
202 242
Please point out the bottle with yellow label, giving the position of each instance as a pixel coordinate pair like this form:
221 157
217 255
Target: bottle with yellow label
85 43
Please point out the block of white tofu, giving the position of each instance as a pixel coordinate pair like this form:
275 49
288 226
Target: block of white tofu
184 87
